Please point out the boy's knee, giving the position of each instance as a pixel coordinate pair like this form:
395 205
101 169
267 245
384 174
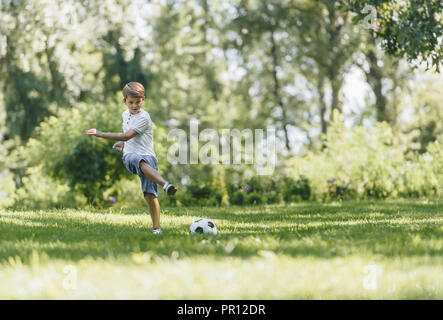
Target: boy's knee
150 197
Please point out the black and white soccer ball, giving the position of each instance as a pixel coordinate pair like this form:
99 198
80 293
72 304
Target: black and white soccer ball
203 226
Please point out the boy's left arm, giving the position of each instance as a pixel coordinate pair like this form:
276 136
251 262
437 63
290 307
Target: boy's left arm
113 136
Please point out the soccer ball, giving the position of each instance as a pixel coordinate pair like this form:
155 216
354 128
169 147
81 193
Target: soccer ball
203 226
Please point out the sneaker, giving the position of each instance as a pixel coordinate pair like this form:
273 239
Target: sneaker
157 231
170 189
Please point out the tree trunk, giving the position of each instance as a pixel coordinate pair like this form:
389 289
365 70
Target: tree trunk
320 88
212 83
55 79
334 73
277 90
375 77
336 103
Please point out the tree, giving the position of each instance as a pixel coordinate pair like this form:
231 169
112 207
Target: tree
423 107
262 23
260 35
119 45
411 28
326 43
37 70
386 75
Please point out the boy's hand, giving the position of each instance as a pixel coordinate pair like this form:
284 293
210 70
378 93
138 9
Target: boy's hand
118 146
93 132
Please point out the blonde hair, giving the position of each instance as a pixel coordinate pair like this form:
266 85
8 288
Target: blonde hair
134 89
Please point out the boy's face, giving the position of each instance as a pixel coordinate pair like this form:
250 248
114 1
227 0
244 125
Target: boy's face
134 104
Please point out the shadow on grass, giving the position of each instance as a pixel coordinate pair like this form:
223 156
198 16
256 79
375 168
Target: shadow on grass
397 229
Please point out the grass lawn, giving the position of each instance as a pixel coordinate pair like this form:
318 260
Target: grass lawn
352 250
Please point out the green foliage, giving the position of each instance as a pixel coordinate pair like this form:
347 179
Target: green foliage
40 191
295 190
118 70
424 175
426 112
408 28
255 190
127 193
37 59
7 184
197 195
87 164
67 168
261 190
7 189
230 64
355 164
361 163
268 190
26 103
90 169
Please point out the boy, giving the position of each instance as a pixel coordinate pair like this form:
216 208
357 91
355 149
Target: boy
137 144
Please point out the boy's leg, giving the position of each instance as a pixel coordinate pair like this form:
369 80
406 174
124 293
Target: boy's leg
151 173
154 209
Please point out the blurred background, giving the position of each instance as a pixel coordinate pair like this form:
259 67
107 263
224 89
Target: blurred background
355 97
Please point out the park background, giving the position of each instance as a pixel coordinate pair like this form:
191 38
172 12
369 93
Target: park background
355 99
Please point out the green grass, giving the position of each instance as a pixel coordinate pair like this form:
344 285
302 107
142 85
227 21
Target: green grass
352 250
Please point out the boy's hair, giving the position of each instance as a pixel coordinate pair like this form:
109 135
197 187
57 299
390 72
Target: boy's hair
134 89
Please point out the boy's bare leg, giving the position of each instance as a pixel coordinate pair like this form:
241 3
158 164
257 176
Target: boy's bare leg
154 209
152 174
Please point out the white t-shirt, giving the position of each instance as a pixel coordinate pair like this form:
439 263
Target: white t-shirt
143 142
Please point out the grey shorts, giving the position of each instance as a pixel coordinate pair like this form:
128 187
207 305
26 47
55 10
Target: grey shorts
132 163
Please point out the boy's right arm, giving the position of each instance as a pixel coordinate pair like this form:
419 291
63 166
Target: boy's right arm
118 146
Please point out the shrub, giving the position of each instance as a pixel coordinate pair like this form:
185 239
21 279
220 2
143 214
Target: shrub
255 190
40 191
125 193
424 175
295 190
204 195
7 189
86 164
362 163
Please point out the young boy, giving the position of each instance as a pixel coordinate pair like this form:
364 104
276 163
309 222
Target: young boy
137 144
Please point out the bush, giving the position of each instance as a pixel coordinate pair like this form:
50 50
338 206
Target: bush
86 164
262 189
295 190
424 175
7 184
41 192
200 195
361 163
125 193
7 189
256 190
